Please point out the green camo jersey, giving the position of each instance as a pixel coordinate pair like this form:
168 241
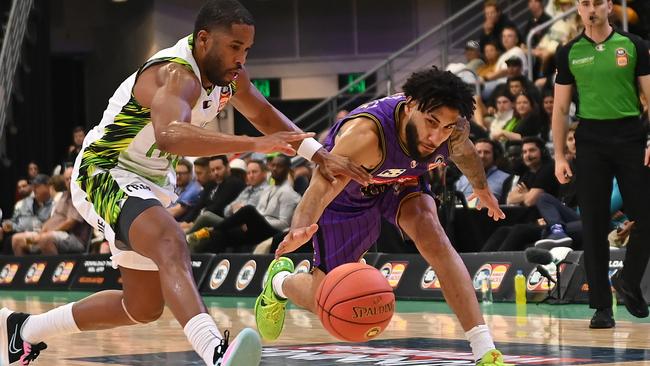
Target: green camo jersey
125 137
604 74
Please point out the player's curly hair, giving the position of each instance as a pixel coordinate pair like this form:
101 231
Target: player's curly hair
221 13
434 88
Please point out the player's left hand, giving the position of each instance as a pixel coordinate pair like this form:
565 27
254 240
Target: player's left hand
486 199
331 165
647 157
295 239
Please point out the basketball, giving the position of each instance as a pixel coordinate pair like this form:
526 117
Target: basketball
355 302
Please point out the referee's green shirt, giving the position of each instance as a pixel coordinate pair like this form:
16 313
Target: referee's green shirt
605 74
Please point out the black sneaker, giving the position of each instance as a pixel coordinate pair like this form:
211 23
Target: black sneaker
15 351
634 301
245 349
602 319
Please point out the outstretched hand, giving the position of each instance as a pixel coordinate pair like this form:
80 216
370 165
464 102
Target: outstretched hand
280 142
295 239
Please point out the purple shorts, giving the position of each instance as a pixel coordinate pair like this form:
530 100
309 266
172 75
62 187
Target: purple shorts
346 232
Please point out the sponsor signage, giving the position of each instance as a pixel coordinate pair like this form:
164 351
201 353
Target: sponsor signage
96 272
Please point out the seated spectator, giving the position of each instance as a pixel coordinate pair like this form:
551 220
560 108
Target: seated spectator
514 69
545 116
252 224
216 195
78 136
187 189
561 32
256 183
526 121
238 169
503 115
493 25
29 213
537 17
489 152
473 56
510 40
301 174
491 54
538 178
23 189
64 232
32 170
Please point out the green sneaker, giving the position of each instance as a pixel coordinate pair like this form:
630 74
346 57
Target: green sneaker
269 308
493 358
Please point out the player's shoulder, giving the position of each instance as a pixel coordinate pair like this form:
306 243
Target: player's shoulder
359 125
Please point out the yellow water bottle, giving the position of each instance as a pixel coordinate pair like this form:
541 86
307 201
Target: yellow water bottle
520 288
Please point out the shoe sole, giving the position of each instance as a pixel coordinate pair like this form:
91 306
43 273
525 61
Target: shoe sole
246 349
269 282
4 342
617 283
551 243
608 326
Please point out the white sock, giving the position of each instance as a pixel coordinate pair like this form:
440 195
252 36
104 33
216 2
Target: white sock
204 336
480 340
58 321
278 280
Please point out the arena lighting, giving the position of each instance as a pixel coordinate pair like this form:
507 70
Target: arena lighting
119 1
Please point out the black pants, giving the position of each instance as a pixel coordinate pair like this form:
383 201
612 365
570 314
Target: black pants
512 238
606 149
229 232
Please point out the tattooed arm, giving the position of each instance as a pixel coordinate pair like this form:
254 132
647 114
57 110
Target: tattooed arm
463 154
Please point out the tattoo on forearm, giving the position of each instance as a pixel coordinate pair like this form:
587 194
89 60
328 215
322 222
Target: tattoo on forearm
462 152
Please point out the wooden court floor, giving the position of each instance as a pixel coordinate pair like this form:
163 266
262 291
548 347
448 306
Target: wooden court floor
421 333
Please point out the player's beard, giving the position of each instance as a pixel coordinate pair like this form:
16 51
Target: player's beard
216 72
413 142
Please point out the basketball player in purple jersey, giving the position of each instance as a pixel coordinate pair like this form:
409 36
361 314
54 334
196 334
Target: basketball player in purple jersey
397 139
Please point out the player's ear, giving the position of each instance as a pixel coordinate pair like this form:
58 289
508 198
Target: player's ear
410 106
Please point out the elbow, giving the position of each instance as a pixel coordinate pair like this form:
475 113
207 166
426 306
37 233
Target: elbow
167 139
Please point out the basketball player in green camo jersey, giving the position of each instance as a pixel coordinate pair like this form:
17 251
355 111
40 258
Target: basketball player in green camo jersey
124 179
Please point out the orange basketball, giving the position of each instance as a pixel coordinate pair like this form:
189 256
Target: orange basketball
355 302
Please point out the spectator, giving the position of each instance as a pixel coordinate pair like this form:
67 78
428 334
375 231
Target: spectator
538 177
489 152
256 183
31 212
503 115
559 34
216 195
510 41
78 136
252 224
526 122
493 25
64 232
32 170
537 16
473 56
238 168
491 54
23 189
187 189
301 176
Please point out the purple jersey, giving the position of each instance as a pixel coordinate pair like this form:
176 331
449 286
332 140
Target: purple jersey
350 224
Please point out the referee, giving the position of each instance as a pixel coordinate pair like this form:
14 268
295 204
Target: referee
607 67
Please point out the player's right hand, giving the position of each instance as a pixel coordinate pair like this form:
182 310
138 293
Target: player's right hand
280 142
563 171
295 239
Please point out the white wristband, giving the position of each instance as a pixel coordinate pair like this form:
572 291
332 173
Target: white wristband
308 148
